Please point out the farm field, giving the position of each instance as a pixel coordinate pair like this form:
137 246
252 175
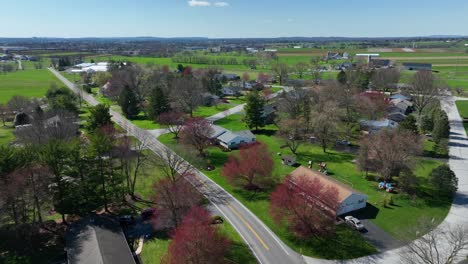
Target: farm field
29 83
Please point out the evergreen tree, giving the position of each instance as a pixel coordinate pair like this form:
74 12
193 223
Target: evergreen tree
341 77
128 101
427 123
99 117
409 124
158 103
441 128
444 181
254 115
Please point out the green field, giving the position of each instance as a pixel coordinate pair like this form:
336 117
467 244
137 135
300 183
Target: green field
29 83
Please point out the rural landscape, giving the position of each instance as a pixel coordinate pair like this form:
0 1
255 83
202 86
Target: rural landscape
267 150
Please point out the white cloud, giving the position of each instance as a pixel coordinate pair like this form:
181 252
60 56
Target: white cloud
198 3
221 4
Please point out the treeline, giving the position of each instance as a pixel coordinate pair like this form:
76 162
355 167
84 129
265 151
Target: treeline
197 59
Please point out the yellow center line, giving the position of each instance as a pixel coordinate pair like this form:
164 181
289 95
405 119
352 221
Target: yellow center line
240 217
248 226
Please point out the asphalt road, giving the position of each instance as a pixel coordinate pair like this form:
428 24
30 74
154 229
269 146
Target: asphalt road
266 246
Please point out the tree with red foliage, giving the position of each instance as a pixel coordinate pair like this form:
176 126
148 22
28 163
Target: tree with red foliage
187 71
251 168
263 78
197 132
173 200
174 122
306 204
197 241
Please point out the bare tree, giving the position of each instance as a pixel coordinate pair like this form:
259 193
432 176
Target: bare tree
301 68
441 245
325 123
316 69
187 93
4 113
19 103
424 90
281 71
174 122
293 132
382 79
172 165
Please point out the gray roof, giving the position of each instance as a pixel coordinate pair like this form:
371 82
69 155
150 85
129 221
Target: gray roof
228 136
97 240
217 131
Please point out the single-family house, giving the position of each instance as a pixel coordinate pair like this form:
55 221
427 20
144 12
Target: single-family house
400 96
333 56
413 66
97 239
227 77
217 131
381 63
288 160
209 99
374 126
349 199
228 91
232 140
396 116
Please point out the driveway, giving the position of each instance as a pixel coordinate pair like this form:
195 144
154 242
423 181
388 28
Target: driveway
378 237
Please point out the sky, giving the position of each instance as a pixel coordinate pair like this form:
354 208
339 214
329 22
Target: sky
233 18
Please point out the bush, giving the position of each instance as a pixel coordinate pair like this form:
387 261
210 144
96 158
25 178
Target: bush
441 148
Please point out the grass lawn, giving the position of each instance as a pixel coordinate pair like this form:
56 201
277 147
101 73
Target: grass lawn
29 83
393 219
463 109
6 134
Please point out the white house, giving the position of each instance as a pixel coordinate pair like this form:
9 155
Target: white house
348 198
232 140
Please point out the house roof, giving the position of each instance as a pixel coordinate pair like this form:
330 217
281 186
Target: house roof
396 116
97 239
217 131
229 136
418 64
344 191
378 123
400 96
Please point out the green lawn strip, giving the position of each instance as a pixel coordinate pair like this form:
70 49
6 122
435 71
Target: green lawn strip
463 110
29 83
6 134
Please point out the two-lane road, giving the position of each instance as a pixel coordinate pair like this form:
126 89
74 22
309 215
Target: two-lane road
266 246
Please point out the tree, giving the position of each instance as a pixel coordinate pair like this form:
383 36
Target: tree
245 79
197 132
382 79
99 117
444 180
293 132
316 69
174 122
158 103
211 81
172 165
441 244
307 205
409 124
19 103
341 77
407 181
101 78
263 78
254 115
325 123
129 103
197 241
132 77
301 68
281 71
62 99
441 129
173 200
427 123
251 168
5 112
389 151
187 93
372 106
424 89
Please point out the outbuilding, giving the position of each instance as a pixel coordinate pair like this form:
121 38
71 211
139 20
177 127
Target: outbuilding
348 198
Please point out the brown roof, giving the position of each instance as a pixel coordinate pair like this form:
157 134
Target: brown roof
344 191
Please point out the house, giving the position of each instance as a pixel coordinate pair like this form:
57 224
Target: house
333 56
399 105
228 91
97 239
227 77
374 126
400 96
209 99
269 113
349 199
396 116
232 140
413 66
381 63
217 131
345 56
288 160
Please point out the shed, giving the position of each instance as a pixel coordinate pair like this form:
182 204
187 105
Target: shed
348 198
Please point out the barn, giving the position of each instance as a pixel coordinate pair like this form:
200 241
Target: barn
349 199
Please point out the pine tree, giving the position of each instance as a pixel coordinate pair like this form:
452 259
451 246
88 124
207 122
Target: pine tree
410 124
128 101
158 103
441 128
341 77
254 115
99 117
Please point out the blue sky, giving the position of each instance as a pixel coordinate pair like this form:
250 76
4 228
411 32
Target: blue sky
233 18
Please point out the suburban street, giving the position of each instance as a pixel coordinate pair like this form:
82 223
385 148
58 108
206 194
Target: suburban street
266 246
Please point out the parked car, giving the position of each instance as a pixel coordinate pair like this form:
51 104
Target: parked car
354 223
148 213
